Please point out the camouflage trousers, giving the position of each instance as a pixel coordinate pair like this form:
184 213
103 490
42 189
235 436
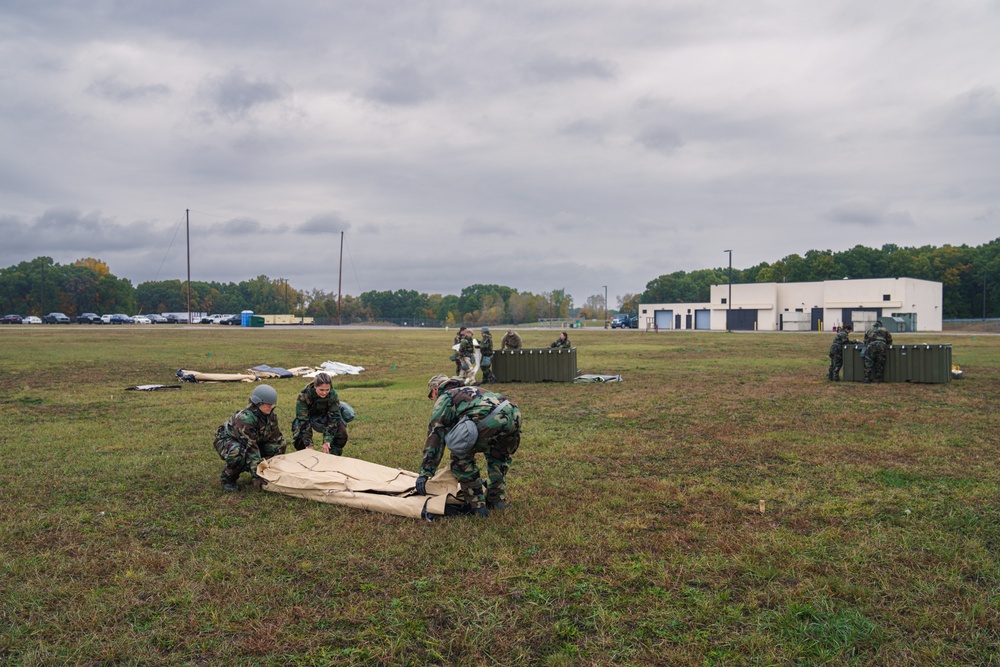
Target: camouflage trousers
302 433
875 355
467 371
487 370
836 362
498 446
240 458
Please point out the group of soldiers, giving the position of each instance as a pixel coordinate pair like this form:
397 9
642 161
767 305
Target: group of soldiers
466 420
876 346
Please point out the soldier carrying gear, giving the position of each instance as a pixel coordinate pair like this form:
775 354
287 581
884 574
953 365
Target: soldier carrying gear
510 341
319 408
455 357
837 351
495 433
250 435
467 358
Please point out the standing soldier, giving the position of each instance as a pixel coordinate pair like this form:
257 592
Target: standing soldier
486 350
490 425
877 342
837 351
467 358
458 341
318 408
250 435
510 341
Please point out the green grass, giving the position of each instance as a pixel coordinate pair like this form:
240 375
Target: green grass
635 537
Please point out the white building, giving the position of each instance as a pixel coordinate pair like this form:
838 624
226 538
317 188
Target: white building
903 304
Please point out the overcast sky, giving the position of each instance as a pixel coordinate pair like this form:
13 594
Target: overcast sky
536 144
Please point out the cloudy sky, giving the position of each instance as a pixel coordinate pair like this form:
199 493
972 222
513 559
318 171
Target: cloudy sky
536 144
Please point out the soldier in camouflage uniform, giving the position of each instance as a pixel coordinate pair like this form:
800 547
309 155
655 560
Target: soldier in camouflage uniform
510 341
250 435
877 342
467 358
458 341
562 343
318 408
499 424
486 350
842 338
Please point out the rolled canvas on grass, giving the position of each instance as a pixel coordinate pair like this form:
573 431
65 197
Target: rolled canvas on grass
341 480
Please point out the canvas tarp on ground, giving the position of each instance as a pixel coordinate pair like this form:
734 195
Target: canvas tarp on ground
341 480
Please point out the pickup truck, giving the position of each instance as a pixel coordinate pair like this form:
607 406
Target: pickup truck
620 322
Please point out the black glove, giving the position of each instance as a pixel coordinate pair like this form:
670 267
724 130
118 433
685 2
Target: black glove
421 485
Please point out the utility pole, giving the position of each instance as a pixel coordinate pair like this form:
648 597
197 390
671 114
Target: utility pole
187 212
729 301
340 278
605 306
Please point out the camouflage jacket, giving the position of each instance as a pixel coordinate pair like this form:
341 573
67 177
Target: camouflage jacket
510 341
451 405
458 338
486 345
561 344
466 348
257 432
309 404
878 335
841 339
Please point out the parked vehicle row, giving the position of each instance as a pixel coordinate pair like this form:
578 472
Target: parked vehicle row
625 322
94 318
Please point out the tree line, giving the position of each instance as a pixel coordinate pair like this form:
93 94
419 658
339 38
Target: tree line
970 275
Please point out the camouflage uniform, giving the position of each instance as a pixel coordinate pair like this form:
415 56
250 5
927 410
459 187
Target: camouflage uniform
877 342
837 354
561 344
458 341
245 439
510 341
467 360
498 439
486 350
314 412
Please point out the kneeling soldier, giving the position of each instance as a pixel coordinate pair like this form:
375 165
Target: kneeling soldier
250 435
318 408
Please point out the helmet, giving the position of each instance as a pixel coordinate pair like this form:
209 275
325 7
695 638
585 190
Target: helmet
486 329
264 394
436 382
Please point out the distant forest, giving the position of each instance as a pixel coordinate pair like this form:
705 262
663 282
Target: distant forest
970 275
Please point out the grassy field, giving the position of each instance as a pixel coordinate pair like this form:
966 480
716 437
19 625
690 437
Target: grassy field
636 536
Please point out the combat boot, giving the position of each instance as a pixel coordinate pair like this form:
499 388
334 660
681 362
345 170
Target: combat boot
482 512
829 376
229 478
498 505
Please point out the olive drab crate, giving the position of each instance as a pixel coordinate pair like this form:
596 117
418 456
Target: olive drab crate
930 364
534 365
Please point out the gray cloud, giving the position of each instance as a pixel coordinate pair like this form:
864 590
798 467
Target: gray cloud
400 86
867 214
660 139
548 68
235 94
327 223
115 90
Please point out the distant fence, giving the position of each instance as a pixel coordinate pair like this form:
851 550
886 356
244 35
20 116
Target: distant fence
979 325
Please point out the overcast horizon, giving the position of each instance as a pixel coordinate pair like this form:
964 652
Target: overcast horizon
537 145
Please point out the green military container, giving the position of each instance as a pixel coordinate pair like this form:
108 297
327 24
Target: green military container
930 364
534 365
256 321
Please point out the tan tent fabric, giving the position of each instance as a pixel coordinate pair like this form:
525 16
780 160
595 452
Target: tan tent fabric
341 480
217 377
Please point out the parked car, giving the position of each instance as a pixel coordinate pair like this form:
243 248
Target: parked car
11 319
56 318
156 318
120 318
31 319
620 322
633 322
175 318
230 319
140 319
88 318
106 319
213 319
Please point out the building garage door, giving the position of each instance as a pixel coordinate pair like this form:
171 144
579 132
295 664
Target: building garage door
741 320
703 319
663 319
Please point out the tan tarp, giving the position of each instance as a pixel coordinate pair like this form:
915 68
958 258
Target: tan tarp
216 377
341 480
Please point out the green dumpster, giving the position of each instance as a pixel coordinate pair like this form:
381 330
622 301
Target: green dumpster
256 321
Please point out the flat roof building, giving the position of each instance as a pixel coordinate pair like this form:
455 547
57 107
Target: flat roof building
903 304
